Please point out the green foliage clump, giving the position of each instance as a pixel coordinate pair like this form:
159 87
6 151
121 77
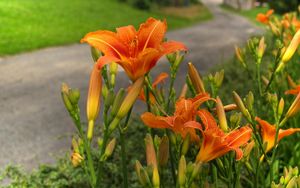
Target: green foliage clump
284 6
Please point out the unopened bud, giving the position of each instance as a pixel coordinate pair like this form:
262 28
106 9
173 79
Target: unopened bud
196 79
275 30
109 149
235 120
265 80
155 178
183 91
93 100
117 102
65 91
75 145
240 56
248 149
150 151
185 145
163 154
74 96
131 97
280 108
196 170
178 60
113 69
250 101
261 49
221 115
182 171
219 76
241 106
76 159
142 174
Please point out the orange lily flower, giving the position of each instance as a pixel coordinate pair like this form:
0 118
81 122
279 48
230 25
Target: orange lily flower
294 91
264 18
268 133
185 111
215 142
136 51
160 78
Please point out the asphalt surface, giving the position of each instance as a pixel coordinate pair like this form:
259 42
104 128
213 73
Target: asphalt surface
34 126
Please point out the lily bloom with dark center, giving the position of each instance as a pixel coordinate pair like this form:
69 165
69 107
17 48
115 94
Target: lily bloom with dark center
215 142
185 111
136 51
268 133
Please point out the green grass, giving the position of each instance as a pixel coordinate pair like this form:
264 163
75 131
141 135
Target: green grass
250 14
30 24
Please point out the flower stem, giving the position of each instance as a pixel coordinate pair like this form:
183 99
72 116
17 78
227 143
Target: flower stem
87 149
258 78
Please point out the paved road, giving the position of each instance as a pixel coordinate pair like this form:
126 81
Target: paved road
34 126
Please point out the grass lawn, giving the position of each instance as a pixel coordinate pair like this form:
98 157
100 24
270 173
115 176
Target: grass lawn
30 24
250 14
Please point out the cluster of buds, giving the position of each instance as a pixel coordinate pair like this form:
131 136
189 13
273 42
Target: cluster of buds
175 59
70 98
149 175
257 48
290 179
76 156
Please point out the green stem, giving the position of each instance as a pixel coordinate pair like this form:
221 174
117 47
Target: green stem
123 155
258 78
172 161
87 149
173 76
274 152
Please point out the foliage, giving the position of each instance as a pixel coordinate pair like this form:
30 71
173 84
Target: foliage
284 6
29 25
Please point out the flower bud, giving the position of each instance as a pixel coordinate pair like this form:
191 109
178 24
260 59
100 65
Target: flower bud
131 97
292 47
250 101
240 56
127 103
196 78
163 154
219 76
185 144
75 145
117 102
235 120
76 159
95 54
65 97
109 149
221 115
113 69
182 171
289 52
280 108
196 170
142 174
275 30
74 96
241 106
93 100
150 151
261 49
265 80
248 149
155 178
183 91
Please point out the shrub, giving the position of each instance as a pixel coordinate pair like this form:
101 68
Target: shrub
282 6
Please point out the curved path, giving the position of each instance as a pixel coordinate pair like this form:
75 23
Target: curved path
33 121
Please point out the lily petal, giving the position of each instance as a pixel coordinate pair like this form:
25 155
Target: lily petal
105 41
156 121
151 33
172 46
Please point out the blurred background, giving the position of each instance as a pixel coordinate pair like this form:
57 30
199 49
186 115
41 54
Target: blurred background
39 49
